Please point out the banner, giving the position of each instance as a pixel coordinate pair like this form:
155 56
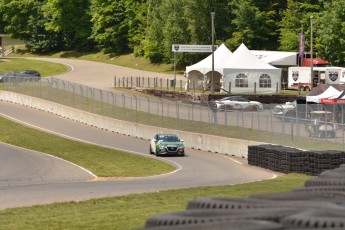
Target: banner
301 45
328 101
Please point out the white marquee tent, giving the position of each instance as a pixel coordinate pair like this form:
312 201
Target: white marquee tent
201 71
243 70
277 58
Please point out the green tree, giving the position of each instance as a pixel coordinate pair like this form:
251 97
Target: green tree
290 27
109 25
24 20
2 22
174 27
71 19
136 14
296 18
330 32
271 12
250 27
20 17
153 44
188 22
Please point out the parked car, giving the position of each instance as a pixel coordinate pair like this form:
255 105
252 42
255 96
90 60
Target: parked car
285 112
30 75
25 75
291 110
238 103
167 144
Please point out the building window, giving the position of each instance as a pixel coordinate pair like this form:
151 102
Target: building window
265 81
241 81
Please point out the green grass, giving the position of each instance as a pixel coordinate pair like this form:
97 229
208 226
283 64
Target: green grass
19 64
293 92
131 212
103 162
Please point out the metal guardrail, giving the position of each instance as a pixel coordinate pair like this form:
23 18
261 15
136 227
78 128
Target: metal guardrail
257 125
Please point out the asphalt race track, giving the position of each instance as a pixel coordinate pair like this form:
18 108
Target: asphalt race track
28 178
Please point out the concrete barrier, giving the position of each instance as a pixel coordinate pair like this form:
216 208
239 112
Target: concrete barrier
211 143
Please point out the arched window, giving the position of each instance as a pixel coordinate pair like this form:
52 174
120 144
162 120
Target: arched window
265 81
241 81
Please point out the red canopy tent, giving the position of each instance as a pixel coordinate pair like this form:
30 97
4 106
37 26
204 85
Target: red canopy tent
316 62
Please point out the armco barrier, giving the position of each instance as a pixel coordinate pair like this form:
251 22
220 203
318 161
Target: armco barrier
217 144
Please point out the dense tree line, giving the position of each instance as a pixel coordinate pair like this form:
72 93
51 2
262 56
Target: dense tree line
149 27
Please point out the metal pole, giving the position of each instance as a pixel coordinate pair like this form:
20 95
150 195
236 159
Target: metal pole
174 70
311 52
212 80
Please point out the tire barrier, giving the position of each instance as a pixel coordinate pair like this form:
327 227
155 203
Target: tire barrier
319 205
325 219
254 204
291 160
224 225
325 189
303 195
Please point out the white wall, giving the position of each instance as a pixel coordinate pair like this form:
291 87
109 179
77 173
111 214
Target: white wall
216 144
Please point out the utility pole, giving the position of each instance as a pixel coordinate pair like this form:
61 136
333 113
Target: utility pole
212 76
311 53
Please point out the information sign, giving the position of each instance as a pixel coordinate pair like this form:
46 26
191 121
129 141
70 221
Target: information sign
178 48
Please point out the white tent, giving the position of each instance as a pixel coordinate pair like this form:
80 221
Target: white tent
199 72
243 72
204 66
330 92
277 58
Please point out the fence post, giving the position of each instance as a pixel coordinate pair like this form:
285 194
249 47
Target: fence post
180 85
254 88
167 83
299 88
230 87
115 81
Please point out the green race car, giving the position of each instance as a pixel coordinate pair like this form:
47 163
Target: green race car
167 144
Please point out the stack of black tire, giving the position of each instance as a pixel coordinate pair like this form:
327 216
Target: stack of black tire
291 160
320 204
320 161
